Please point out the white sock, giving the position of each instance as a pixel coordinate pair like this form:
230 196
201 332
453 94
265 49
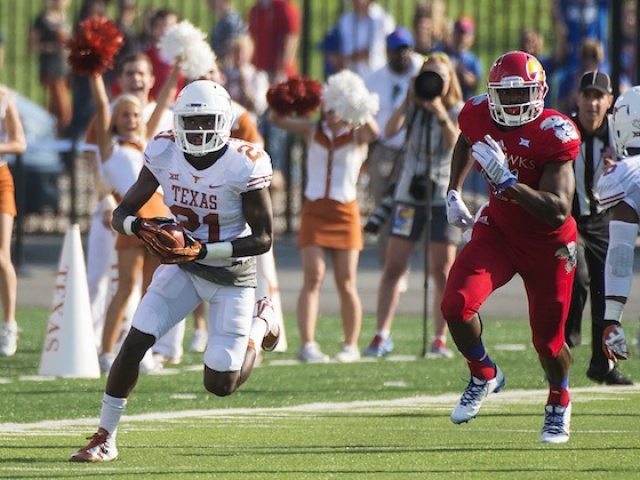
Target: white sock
111 412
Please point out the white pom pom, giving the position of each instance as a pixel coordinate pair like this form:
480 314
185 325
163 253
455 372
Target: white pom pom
346 94
186 42
198 61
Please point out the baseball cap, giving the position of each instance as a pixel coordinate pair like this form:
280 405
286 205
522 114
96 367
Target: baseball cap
400 37
465 25
596 81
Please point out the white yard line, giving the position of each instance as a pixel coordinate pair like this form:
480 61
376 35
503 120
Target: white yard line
445 401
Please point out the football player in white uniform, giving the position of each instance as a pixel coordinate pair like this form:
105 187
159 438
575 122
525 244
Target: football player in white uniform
217 189
619 190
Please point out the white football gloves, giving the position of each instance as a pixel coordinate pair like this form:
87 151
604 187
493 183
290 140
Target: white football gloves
457 212
494 163
614 343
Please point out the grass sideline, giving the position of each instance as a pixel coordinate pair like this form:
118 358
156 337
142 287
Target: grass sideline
375 419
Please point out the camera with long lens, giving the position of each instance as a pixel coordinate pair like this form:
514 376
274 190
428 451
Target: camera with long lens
428 85
381 213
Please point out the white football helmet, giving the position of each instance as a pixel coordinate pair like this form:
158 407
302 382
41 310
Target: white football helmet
626 121
203 98
516 70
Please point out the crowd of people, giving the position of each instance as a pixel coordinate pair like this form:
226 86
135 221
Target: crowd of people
407 108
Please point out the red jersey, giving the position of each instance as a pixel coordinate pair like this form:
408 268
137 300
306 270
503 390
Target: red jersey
552 137
268 26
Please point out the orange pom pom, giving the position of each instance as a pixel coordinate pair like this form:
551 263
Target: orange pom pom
94 46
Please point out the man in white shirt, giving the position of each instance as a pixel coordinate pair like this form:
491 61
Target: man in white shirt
390 82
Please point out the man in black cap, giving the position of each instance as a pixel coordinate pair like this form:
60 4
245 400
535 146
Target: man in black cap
596 153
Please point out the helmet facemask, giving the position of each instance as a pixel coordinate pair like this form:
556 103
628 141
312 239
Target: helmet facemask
203 140
517 114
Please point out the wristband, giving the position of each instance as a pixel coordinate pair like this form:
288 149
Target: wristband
127 224
613 310
218 251
108 202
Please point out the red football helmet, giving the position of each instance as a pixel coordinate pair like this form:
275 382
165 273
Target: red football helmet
513 71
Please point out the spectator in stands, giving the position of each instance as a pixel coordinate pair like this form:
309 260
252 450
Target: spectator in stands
330 46
12 140
145 40
125 21
430 26
229 25
430 116
47 36
591 59
468 65
246 84
628 54
363 33
532 42
274 27
390 83
83 107
163 20
579 20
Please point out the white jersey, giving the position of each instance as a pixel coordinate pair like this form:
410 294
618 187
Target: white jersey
621 183
208 202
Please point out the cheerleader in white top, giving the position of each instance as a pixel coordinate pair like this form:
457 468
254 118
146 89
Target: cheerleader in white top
337 146
121 137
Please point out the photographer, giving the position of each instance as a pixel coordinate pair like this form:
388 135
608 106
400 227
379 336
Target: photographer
430 113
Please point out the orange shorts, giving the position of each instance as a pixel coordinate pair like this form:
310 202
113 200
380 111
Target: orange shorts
330 224
154 207
7 191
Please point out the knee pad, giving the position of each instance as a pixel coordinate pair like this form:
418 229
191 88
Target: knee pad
619 262
453 307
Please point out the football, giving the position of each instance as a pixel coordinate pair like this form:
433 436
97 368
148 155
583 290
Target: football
177 235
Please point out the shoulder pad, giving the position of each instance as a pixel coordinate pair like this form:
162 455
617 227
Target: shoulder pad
159 143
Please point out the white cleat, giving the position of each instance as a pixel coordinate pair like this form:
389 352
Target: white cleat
557 422
473 396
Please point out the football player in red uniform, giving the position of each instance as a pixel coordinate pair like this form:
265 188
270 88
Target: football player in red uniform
525 152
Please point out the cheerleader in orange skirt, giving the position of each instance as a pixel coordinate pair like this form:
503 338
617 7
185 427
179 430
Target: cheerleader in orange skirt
337 146
12 140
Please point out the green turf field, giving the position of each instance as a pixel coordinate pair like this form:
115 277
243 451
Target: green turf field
384 419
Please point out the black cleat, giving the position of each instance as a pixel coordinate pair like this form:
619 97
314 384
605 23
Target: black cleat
612 377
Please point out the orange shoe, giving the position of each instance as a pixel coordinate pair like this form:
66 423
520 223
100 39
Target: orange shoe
101 448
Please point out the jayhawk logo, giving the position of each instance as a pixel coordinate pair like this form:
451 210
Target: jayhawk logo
570 252
535 70
563 129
